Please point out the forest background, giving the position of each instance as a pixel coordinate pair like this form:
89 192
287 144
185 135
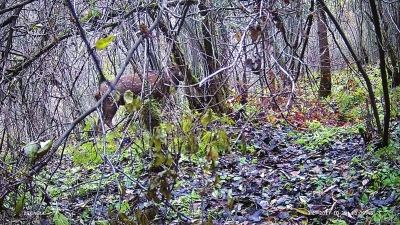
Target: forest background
301 76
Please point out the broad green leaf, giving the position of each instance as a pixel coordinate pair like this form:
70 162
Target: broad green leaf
212 154
45 147
168 128
104 42
159 159
157 140
170 160
20 205
187 123
364 199
206 119
31 150
137 103
60 219
129 107
223 139
116 95
128 97
125 206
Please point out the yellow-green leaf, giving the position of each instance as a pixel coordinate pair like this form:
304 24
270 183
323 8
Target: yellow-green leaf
159 159
137 103
168 128
104 42
45 147
128 99
212 154
128 96
60 219
169 161
206 118
187 123
157 140
302 211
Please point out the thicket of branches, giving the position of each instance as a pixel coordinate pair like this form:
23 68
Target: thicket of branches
49 74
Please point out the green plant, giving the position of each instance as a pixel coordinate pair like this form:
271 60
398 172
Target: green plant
338 222
385 215
151 113
386 176
185 203
242 160
319 136
388 153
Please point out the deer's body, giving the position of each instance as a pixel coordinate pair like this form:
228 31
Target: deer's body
158 82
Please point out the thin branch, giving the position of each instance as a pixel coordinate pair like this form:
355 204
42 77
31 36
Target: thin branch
83 36
22 4
29 61
234 61
36 168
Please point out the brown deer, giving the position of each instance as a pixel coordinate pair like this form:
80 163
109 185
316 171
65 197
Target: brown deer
160 84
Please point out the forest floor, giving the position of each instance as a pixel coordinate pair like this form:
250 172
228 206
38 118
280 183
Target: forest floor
280 176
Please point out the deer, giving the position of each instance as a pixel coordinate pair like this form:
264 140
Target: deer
160 83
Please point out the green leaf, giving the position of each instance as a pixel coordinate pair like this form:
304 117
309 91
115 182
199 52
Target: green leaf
206 119
137 103
104 42
101 222
157 140
128 97
302 211
169 161
31 150
20 205
168 128
364 199
131 103
223 139
45 147
159 159
212 154
60 219
125 206
187 123
230 199
191 143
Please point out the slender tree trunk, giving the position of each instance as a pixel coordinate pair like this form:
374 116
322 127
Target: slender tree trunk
308 30
382 65
325 85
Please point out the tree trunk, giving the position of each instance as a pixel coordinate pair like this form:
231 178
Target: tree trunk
216 91
325 59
